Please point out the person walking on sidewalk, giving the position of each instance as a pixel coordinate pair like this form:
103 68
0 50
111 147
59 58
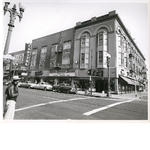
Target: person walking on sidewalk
11 98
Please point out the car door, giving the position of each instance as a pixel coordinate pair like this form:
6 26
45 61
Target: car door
41 85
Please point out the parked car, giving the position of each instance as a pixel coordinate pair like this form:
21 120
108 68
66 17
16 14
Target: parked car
63 87
55 88
26 84
33 85
43 86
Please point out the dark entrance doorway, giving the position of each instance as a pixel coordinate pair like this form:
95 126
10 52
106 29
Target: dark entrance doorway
101 85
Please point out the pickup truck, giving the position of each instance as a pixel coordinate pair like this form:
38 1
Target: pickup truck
64 88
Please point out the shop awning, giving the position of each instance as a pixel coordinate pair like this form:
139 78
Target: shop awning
135 82
127 80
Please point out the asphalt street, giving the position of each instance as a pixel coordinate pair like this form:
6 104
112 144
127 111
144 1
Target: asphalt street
47 105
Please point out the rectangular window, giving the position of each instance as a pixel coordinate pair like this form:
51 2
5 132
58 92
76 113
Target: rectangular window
53 55
119 41
105 38
126 62
33 59
119 59
84 50
86 58
66 53
67 45
54 47
100 57
137 69
82 58
87 42
83 42
126 47
133 67
122 59
100 39
43 57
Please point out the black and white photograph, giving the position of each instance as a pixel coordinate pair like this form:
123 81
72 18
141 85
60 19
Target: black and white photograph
75 62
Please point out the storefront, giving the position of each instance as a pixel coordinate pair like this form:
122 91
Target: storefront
127 85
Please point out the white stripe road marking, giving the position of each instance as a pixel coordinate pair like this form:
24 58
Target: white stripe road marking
53 102
105 107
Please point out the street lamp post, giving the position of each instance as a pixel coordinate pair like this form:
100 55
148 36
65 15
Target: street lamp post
13 13
108 64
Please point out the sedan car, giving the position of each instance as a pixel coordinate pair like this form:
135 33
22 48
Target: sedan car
65 88
26 84
33 86
43 86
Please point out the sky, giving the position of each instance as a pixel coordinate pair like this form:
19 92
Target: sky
47 17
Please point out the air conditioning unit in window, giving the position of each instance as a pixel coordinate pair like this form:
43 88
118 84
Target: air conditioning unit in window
55 50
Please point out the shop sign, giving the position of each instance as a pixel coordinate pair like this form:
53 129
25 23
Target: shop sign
38 73
27 53
62 74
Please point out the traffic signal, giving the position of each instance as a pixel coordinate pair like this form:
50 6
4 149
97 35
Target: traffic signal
89 72
93 72
99 73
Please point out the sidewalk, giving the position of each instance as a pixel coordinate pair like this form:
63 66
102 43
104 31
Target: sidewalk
115 96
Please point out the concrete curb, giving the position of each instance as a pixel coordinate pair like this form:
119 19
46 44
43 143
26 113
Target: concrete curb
111 97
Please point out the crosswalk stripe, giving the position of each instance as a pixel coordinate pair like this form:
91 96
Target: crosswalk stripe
53 102
104 108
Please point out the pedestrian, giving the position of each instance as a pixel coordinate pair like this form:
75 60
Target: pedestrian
11 98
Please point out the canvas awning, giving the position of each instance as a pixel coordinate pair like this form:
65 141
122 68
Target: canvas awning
127 80
135 82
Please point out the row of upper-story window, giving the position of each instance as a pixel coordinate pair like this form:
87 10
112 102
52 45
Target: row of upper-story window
126 47
134 63
101 46
101 42
55 49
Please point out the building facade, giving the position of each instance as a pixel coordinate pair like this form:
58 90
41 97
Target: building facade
52 58
97 37
20 65
67 56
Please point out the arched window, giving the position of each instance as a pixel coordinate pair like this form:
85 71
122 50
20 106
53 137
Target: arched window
102 48
84 50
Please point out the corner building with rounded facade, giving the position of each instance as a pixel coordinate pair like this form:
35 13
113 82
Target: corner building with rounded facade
67 56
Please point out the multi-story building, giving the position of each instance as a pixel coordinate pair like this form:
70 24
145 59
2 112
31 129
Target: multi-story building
68 55
52 57
98 36
20 64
